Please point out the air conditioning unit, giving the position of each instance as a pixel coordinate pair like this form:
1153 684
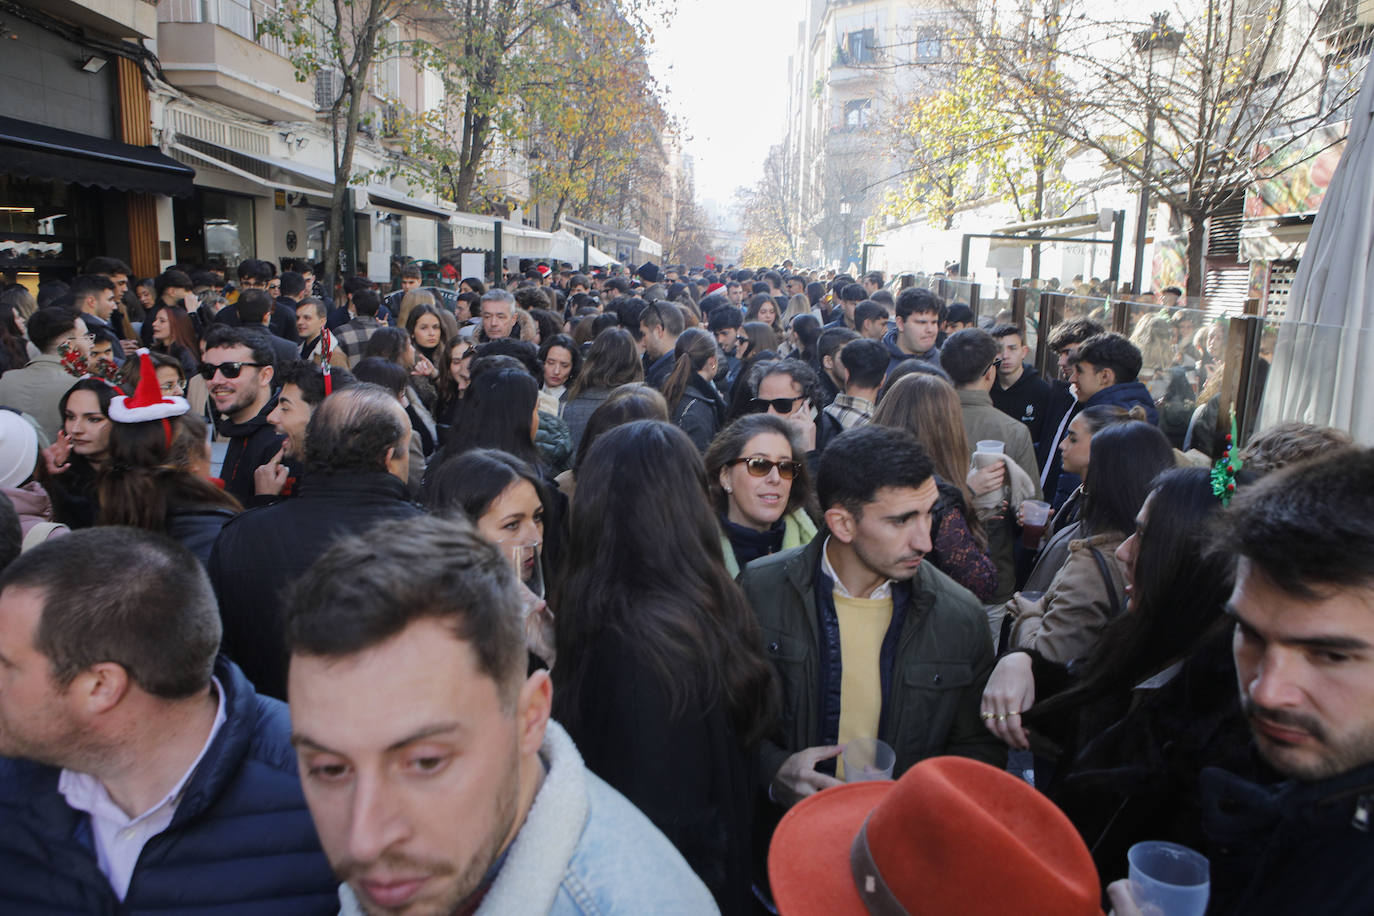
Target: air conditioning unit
328 88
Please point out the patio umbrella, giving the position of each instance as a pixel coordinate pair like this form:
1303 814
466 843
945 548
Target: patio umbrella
1323 368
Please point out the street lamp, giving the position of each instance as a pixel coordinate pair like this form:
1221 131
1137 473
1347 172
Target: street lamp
1159 36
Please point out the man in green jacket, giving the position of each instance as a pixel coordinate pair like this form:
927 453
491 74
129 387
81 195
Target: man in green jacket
868 639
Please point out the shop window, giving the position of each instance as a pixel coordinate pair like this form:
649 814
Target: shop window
48 226
215 229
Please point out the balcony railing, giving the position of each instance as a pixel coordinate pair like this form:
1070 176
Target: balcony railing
241 17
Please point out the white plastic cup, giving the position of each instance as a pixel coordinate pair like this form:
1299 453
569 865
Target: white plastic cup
868 759
991 447
1168 879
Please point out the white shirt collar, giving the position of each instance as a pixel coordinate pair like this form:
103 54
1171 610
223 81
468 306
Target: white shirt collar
880 593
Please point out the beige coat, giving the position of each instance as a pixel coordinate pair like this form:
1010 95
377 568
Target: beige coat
1066 621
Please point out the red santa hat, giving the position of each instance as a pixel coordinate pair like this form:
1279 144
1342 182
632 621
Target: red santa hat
543 269
148 402
714 287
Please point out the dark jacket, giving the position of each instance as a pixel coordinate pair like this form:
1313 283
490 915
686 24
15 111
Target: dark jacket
656 372
263 550
197 527
103 330
1057 485
241 840
577 411
700 413
1127 395
283 320
935 661
895 354
1290 847
684 769
1026 400
251 445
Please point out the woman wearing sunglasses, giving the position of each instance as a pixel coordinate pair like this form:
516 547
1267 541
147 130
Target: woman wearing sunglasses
760 487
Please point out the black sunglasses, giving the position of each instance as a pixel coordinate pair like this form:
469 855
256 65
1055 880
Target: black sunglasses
781 405
228 370
759 467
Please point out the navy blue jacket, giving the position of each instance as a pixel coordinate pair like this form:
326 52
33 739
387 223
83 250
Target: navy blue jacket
241 840
1126 395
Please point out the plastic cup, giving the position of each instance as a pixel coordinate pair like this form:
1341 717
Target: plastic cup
867 759
991 447
1168 879
1035 515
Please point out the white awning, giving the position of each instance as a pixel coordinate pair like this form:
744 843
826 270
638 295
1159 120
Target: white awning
650 247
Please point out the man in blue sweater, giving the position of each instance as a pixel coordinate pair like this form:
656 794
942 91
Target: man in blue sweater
142 774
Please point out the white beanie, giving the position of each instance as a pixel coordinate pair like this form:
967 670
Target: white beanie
18 449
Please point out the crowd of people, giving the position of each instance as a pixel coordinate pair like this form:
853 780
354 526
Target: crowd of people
583 588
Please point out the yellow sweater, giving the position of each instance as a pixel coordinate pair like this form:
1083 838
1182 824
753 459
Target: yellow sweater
863 624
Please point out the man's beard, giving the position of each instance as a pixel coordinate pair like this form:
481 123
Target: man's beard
470 879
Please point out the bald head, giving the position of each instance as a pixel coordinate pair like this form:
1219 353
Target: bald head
362 428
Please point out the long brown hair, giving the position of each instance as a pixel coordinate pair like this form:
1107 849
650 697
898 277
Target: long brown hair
183 331
612 360
143 481
928 407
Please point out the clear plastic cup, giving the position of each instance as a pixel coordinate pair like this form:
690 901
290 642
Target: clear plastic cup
1035 515
1168 879
867 759
991 447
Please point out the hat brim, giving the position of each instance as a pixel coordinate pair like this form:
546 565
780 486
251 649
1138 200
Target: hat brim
120 412
808 860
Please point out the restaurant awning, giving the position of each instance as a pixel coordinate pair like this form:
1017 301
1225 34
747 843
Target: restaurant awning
35 151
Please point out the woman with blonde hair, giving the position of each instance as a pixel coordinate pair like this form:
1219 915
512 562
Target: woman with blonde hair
928 407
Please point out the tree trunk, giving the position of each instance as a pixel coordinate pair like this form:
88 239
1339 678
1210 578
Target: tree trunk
1196 255
1038 214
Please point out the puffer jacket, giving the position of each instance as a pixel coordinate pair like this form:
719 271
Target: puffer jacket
935 661
554 441
241 840
1065 622
700 413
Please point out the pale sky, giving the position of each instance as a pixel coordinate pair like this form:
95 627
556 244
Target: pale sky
725 65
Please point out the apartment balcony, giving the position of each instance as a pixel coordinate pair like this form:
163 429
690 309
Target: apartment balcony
120 18
210 48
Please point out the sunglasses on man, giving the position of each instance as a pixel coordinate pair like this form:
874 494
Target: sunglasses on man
228 370
780 405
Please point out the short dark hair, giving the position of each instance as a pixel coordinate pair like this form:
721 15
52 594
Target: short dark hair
107 266
255 269
352 430
960 313
1108 351
366 303
161 625
255 339
376 370
663 314
917 300
369 587
853 292
868 310
522 350
292 283
1308 527
315 303
967 354
388 343
1006 330
84 287
254 305
861 461
874 276
865 361
832 339
48 324
411 272
309 379
1074 331
724 318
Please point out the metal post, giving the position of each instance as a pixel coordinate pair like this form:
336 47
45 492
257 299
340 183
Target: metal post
964 255
1118 237
586 255
499 274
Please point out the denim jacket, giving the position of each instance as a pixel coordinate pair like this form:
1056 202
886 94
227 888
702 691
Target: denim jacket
584 851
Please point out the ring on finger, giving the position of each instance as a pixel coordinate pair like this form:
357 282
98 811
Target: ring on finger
987 715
